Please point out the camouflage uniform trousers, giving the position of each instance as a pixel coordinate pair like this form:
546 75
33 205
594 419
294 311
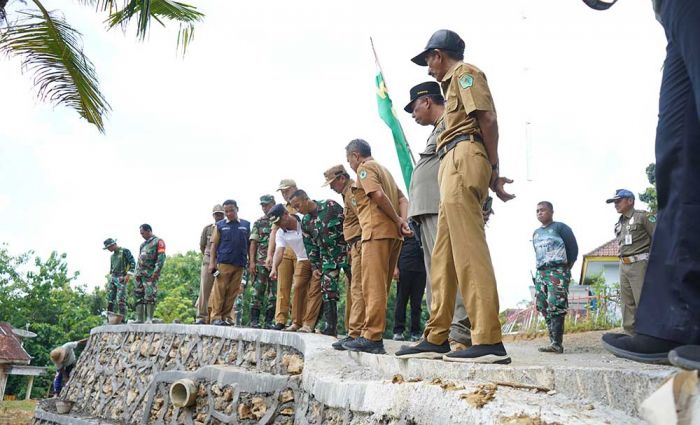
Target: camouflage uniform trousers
552 291
263 286
116 294
145 290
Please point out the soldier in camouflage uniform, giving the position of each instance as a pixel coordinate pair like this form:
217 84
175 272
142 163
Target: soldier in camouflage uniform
121 267
555 251
263 286
151 260
322 226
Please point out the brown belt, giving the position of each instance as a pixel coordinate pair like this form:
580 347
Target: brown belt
634 258
454 142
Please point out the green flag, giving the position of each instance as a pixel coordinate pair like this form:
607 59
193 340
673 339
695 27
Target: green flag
388 115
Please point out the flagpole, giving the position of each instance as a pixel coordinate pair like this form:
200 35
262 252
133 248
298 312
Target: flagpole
376 62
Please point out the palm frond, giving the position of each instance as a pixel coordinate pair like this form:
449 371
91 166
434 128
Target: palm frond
159 10
51 50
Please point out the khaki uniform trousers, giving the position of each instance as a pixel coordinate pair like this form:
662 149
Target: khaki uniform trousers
631 282
206 281
379 258
285 277
355 304
461 256
227 286
307 295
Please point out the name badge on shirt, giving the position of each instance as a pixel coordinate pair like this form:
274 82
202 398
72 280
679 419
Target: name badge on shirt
628 239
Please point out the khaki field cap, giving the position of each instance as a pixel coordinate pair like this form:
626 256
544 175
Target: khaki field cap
286 184
332 173
57 355
217 209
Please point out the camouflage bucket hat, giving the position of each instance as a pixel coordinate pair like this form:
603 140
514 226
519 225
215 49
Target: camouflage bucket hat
109 242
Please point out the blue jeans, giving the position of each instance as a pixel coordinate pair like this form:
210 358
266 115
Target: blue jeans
670 302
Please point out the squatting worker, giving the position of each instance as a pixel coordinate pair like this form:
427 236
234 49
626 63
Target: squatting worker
148 268
339 180
633 232
289 236
468 150
264 288
121 267
229 256
556 250
382 210
285 271
427 107
206 279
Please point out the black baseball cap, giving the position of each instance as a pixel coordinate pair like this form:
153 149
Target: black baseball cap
276 213
430 88
441 39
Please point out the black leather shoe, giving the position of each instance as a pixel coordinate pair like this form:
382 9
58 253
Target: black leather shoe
277 326
220 322
640 348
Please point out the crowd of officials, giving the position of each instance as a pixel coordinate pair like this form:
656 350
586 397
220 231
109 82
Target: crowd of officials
294 253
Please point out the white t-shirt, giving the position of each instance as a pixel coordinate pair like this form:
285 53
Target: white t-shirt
293 239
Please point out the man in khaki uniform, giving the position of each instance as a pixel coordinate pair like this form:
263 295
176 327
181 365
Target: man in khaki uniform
339 180
285 271
427 107
633 231
382 210
468 150
206 280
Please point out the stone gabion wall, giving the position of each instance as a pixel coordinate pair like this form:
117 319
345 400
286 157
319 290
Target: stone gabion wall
115 373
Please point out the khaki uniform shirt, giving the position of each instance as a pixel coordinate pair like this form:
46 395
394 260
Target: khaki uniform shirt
351 224
205 242
425 190
466 91
374 222
634 231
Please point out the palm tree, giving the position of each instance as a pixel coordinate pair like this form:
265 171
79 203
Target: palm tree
51 49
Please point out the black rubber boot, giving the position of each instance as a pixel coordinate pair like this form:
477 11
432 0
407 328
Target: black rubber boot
254 317
556 335
270 317
330 312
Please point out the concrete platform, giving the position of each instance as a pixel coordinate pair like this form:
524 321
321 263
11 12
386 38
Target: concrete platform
128 368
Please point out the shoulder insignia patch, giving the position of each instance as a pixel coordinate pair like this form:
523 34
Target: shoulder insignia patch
652 218
363 174
466 81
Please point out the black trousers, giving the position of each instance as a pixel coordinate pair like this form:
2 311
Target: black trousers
410 287
669 307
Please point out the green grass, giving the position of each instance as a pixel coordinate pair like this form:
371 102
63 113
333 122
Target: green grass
21 405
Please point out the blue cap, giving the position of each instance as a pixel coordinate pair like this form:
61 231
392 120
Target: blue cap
620 194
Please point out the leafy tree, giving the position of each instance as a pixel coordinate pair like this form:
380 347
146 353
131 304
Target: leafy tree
51 49
178 287
649 195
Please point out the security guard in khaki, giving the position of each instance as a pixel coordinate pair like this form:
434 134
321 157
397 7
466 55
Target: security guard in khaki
633 232
468 150
382 210
339 180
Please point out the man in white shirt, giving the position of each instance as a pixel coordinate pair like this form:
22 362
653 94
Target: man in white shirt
306 302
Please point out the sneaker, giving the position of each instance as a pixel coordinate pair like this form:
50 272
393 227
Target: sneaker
415 337
481 353
338 345
219 322
424 350
398 337
365 345
686 356
277 326
640 348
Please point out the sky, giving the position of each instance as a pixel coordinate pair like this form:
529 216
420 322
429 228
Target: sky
275 89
